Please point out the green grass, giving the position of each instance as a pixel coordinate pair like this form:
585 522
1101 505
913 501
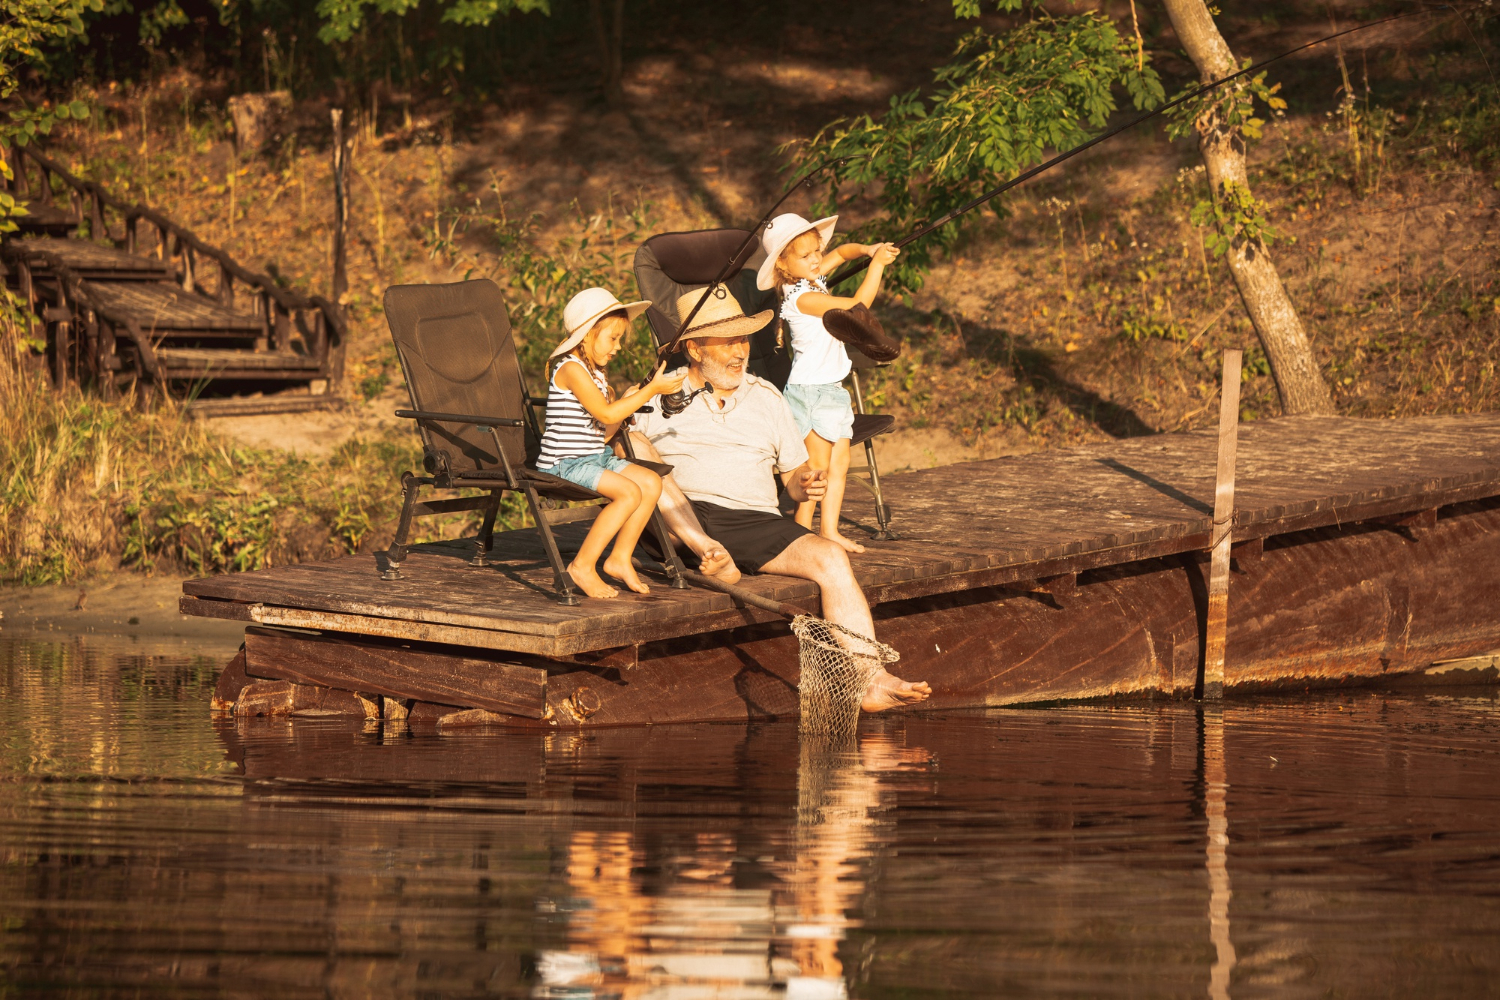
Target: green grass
88 485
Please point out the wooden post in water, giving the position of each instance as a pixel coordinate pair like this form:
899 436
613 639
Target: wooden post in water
1223 530
340 208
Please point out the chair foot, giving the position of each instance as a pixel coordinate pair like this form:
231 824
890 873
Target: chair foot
678 583
391 573
478 561
887 536
567 599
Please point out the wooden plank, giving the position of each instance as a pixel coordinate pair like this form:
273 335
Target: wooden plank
160 306
197 607
396 672
981 524
213 359
1218 576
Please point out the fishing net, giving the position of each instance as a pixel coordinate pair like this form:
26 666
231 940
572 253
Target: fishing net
837 668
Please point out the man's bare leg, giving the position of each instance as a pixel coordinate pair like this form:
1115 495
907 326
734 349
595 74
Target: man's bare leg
814 558
683 522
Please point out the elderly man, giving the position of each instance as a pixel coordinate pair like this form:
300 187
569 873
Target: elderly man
725 447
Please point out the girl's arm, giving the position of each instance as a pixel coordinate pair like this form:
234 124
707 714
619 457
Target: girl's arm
843 254
574 379
818 303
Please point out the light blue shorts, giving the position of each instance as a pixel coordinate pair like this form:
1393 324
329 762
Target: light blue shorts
822 408
585 470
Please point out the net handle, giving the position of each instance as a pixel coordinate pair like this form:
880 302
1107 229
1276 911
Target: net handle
744 596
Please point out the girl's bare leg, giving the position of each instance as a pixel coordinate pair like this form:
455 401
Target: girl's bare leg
819 454
833 500
683 522
618 564
625 499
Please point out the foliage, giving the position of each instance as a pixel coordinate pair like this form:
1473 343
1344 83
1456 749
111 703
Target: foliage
999 106
27 28
1229 111
87 484
1237 217
342 18
1230 108
540 279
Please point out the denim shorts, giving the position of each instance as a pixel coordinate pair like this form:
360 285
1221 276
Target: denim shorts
822 408
585 470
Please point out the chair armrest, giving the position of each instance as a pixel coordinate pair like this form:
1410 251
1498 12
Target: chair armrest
459 418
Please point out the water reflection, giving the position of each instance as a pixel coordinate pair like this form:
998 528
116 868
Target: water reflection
1215 808
1347 842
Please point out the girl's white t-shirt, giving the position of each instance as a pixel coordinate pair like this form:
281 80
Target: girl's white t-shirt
817 359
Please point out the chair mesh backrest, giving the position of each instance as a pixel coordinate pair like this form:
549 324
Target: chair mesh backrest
670 265
457 354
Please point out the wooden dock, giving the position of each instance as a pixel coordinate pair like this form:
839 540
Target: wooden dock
1094 555
128 303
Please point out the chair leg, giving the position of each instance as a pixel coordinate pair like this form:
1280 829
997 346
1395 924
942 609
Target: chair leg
560 578
882 512
670 558
396 554
485 539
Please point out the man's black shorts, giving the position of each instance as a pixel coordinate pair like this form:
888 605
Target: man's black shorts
752 537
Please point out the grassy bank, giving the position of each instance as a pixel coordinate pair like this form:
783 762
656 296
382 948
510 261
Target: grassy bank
87 486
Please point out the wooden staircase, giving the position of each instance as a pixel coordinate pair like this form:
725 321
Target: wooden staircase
122 293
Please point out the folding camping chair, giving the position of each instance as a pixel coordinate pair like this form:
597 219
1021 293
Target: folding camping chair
477 423
669 265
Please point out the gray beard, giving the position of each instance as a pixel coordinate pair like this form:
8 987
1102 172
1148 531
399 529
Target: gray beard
721 377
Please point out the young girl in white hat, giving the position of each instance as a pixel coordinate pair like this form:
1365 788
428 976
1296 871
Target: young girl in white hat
582 415
797 258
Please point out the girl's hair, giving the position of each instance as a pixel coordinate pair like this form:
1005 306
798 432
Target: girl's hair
782 278
618 316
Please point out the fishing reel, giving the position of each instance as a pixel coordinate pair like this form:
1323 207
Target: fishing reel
675 402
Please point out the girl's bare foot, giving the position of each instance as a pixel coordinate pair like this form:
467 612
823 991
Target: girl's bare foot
889 691
848 544
588 581
622 570
717 562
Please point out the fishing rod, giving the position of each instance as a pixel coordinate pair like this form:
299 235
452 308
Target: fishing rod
854 268
674 403
740 255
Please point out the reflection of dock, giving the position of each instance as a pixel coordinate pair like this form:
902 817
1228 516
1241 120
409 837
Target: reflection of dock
1363 549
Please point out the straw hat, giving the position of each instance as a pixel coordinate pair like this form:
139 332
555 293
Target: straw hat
587 308
782 230
721 315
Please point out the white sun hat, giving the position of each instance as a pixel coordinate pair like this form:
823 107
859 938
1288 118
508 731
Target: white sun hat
587 308
782 230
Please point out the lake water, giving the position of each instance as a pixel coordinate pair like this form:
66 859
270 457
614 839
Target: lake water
1323 846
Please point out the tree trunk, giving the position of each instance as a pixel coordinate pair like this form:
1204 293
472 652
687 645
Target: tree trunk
1293 366
610 34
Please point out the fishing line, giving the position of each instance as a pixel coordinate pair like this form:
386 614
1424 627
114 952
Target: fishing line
853 269
737 259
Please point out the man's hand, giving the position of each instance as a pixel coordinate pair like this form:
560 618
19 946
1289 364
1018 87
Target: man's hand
806 484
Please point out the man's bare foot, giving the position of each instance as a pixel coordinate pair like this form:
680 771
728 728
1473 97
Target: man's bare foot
588 581
717 562
889 691
622 570
848 544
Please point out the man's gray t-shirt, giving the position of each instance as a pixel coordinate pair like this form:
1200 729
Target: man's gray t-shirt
729 456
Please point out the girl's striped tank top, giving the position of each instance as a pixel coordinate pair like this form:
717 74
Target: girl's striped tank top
571 431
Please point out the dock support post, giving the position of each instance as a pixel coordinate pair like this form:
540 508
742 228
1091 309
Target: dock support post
1223 530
